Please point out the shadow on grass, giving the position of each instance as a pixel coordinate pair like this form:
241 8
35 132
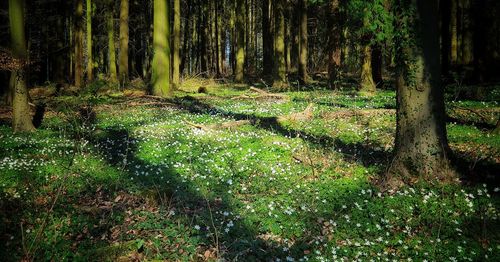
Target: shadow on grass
351 151
470 171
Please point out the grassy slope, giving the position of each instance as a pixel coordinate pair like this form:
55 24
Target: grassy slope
139 181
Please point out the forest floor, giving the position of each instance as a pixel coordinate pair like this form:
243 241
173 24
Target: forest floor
239 174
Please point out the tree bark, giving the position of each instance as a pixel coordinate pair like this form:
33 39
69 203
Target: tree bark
367 84
78 42
267 44
304 77
335 45
280 62
161 46
124 41
176 45
377 64
421 145
21 118
240 41
111 44
90 61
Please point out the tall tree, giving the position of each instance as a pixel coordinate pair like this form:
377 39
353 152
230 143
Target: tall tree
267 42
124 41
21 119
78 42
421 145
90 61
111 42
334 44
161 49
280 61
176 45
367 84
303 57
240 40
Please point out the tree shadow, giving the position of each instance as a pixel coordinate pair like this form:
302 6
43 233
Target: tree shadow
365 154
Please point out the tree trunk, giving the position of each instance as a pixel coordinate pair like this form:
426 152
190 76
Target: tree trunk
467 34
185 49
445 36
367 84
124 40
240 41
280 63
161 46
90 61
335 45
78 42
267 43
176 45
21 118
421 145
304 77
111 44
454 32
377 64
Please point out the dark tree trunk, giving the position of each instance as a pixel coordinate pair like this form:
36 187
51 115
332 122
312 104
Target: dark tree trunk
334 44
267 43
421 145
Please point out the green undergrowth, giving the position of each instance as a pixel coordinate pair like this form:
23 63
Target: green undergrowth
146 179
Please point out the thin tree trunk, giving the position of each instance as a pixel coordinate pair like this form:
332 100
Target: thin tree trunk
377 64
240 41
90 61
21 118
124 41
176 45
78 42
111 44
161 59
304 77
267 43
334 57
280 62
367 84
185 48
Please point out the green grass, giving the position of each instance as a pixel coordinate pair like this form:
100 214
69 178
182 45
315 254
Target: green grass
142 182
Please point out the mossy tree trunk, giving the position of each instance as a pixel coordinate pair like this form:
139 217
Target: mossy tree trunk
367 84
111 43
304 46
334 44
124 41
21 118
90 61
78 42
240 41
161 46
279 56
421 145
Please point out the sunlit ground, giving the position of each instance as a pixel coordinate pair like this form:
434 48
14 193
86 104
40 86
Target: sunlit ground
235 176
